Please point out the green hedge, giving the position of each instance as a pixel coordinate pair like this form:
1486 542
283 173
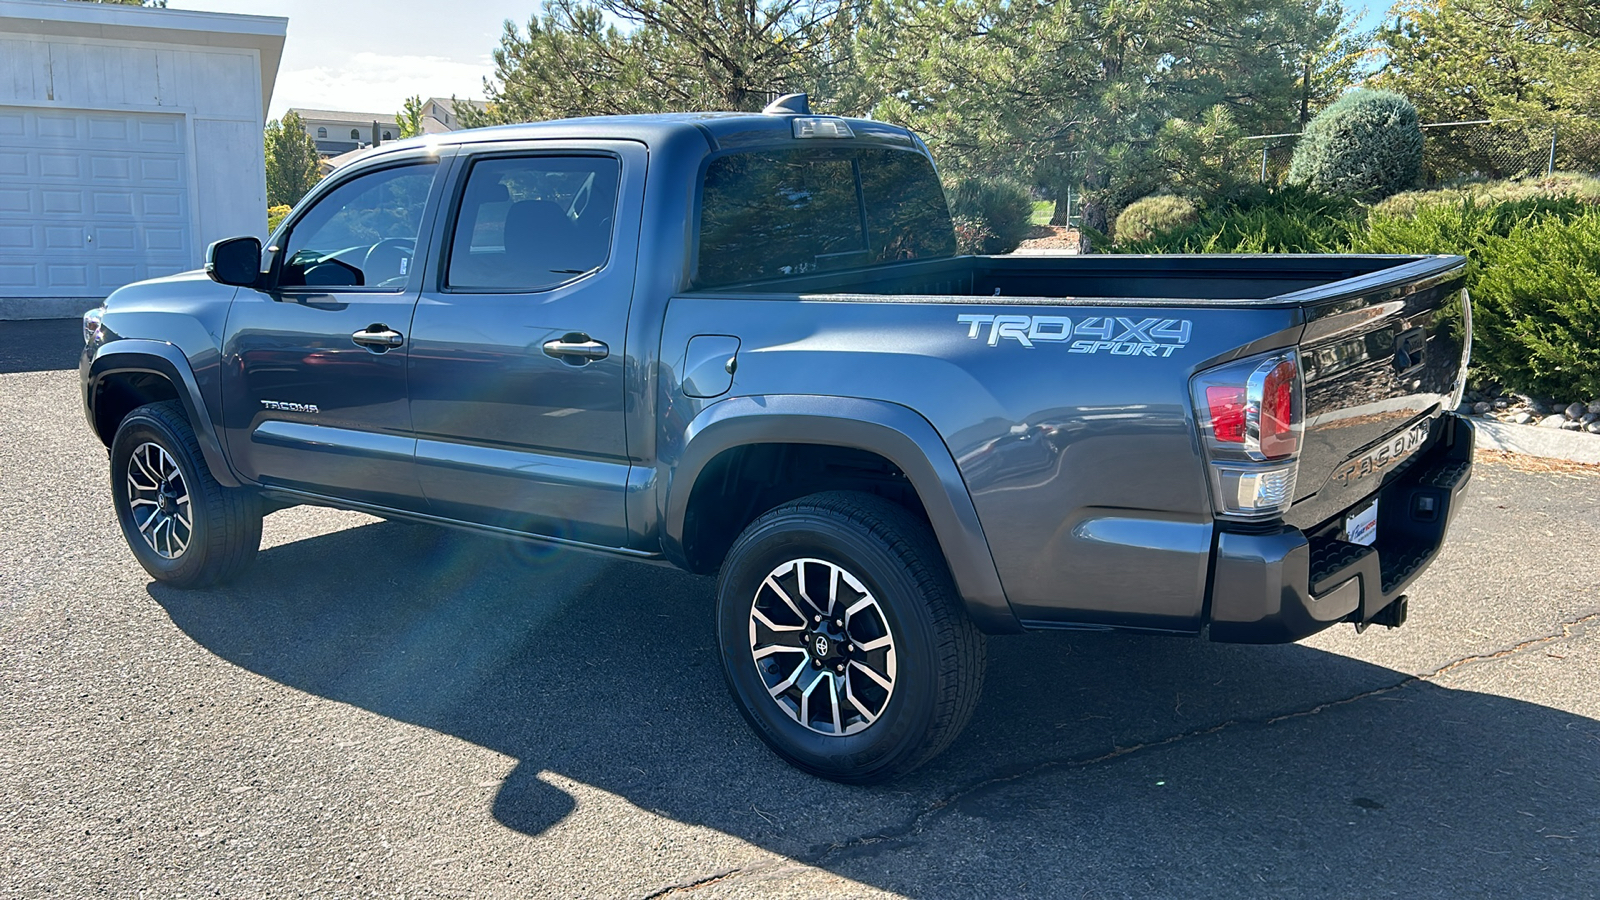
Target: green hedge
1557 186
1534 265
1538 296
1258 220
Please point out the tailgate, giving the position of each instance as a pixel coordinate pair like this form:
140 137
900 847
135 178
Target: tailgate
1381 356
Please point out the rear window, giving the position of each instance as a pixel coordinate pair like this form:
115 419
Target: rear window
773 213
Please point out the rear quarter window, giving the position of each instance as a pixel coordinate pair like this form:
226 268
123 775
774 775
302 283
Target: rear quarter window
775 213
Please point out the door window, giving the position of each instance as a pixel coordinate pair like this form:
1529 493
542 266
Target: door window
533 223
361 234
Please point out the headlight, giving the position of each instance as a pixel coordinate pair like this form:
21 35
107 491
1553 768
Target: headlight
91 324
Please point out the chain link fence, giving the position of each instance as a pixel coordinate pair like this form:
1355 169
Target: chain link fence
1489 148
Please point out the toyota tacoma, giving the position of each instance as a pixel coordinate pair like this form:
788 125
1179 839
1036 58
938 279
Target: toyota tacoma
746 345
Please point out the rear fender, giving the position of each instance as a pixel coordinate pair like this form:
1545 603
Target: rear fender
159 358
892 431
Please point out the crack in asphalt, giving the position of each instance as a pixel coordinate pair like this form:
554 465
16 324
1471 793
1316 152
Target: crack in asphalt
683 887
865 844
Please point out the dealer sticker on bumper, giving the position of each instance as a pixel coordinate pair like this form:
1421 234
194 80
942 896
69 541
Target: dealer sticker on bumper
1362 527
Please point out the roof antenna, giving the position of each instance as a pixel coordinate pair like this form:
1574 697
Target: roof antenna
795 104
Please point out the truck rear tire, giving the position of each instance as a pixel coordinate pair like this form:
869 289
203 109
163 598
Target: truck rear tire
842 638
183 527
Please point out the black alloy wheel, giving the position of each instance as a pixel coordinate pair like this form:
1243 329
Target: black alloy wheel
843 640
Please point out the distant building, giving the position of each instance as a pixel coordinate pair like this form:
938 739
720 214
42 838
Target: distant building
337 132
438 114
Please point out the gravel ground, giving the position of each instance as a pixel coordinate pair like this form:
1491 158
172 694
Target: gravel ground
385 709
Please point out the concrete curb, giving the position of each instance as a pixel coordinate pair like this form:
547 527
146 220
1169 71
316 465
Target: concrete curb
1550 443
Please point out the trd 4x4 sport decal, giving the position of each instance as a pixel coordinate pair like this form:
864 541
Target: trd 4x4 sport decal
1116 335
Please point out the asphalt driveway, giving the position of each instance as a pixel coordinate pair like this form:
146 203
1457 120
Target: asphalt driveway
385 709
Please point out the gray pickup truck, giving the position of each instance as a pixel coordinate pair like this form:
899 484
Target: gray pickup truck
744 344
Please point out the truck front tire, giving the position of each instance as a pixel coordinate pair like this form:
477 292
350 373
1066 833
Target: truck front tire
842 638
183 527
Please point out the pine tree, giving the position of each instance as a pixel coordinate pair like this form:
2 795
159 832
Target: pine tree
409 118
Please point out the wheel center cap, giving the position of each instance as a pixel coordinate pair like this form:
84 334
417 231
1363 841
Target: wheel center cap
820 646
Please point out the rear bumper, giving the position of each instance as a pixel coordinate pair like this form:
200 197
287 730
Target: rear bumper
1281 585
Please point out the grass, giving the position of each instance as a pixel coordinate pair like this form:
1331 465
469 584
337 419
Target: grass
1042 211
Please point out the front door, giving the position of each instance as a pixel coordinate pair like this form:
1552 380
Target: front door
517 349
315 363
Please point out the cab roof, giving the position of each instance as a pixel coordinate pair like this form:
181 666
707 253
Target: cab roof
720 130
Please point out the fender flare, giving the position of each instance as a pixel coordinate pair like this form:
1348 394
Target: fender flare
164 359
890 430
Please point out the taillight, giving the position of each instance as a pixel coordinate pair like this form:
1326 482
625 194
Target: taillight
1251 414
1279 435
1227 413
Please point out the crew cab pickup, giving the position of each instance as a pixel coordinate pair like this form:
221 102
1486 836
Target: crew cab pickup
745 344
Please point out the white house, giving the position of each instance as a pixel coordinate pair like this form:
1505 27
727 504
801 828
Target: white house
130 138
439 114
336 132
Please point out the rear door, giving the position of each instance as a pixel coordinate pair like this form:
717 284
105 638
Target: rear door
517 356
315 362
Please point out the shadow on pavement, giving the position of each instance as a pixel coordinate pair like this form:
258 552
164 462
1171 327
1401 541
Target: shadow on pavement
40 345
605 673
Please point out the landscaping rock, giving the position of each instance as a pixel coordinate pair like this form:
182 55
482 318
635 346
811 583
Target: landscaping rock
1575 411
1482 406
1554 421
1588 417
1536 406
1501 403
1594 406
1570 425
1522 418
1592 428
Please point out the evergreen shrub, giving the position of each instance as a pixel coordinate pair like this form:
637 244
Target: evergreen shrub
1368 144
1144 218
1255 219
1538 301
994 213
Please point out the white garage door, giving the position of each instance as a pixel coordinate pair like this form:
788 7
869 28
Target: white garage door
90 201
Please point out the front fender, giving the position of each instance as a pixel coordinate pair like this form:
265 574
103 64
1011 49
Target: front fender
164 359
892 431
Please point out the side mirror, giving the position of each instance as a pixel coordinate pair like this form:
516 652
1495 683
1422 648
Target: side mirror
235 261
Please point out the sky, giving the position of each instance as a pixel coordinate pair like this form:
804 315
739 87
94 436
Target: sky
370 55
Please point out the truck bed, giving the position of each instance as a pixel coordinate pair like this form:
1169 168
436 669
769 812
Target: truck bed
1380 338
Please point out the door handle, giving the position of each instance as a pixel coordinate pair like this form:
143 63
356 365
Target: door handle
378 338
576 349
